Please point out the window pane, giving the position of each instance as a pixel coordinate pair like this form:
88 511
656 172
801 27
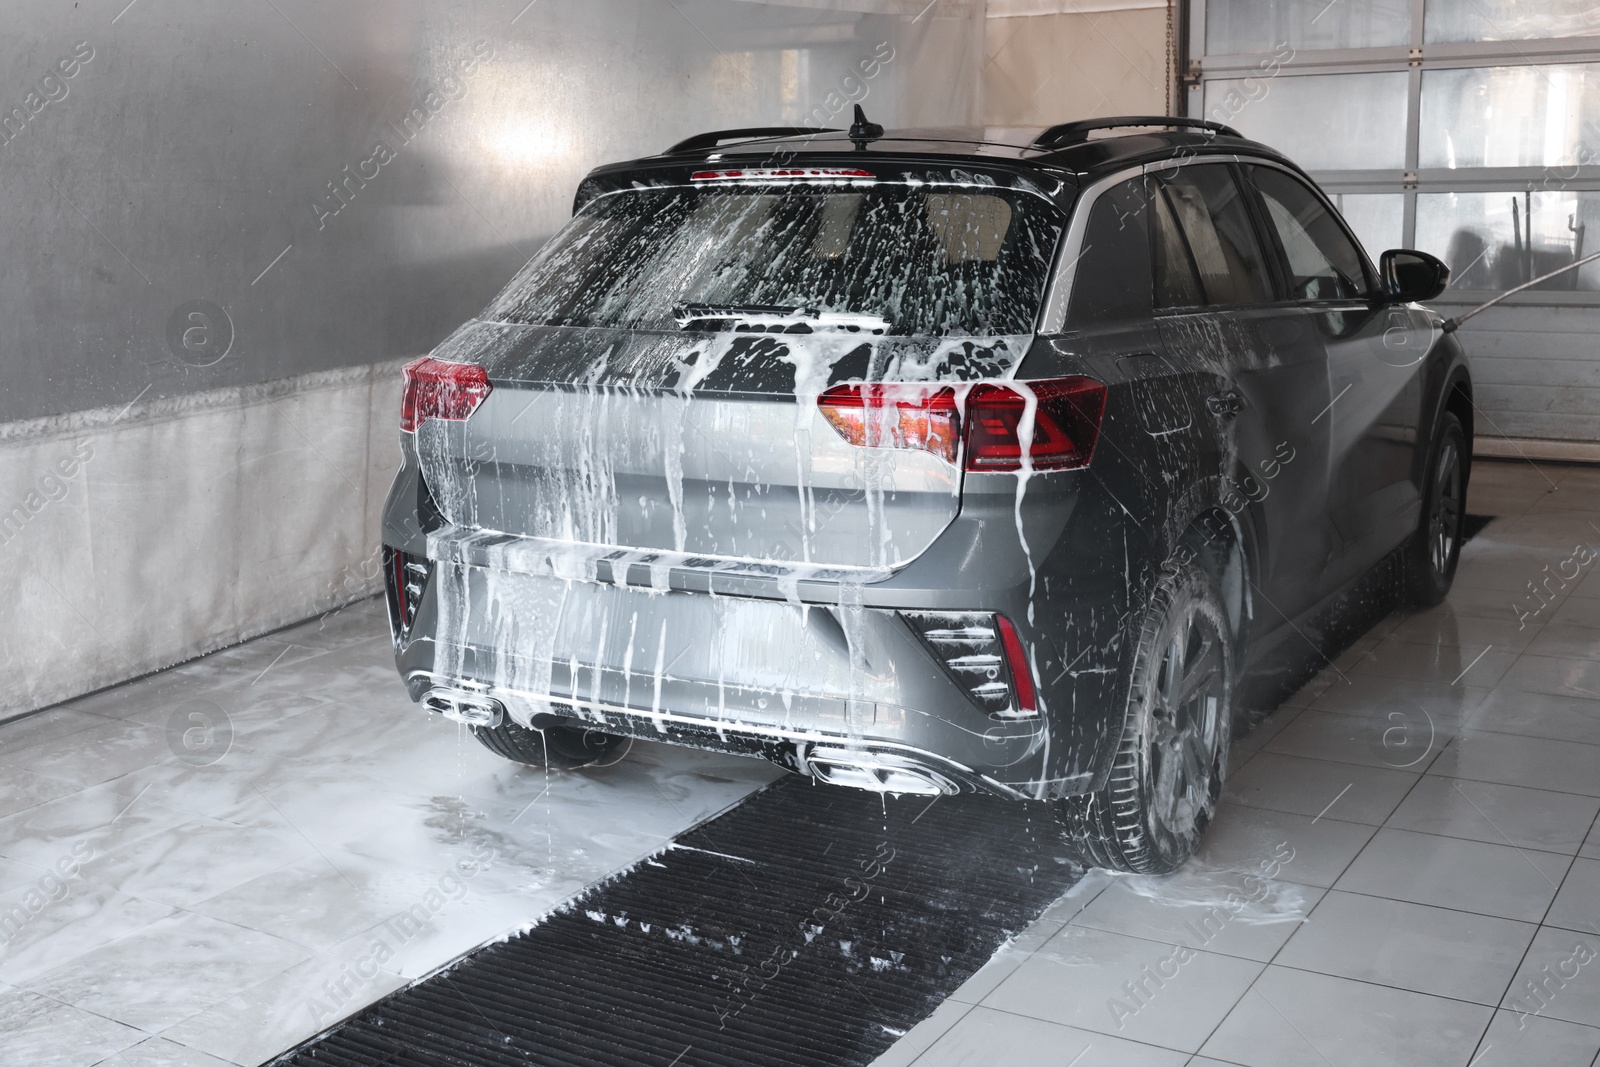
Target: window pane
1359 124
1378 219
1236 26
1112 281
929 261
1509 116
1508 20
1484 237
1176 283
1212 214
1323 263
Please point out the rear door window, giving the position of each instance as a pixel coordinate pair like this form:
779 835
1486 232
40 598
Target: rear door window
1320 260
1212 213
1112 279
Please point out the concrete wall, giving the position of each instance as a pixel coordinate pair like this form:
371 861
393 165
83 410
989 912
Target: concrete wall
205 334
1048 61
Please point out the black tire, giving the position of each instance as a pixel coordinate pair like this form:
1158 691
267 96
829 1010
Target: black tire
1429 559
560 747
1167 775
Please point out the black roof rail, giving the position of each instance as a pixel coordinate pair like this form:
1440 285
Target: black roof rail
1071 133
716 137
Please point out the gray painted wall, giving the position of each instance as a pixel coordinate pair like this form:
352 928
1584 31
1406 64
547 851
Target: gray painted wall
159 501
166 152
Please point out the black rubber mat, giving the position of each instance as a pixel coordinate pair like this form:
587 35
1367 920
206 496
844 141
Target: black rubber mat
807 926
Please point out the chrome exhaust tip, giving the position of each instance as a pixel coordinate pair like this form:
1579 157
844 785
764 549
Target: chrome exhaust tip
877 772
464 706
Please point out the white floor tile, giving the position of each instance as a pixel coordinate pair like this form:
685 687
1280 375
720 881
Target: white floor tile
1523 1040
1559 978
1401 741
1298 1019
1577 905
1320 788
986 1036
40 1032
1409 946
273 1016
908 1049
1448 872
1481 666
159 1052
1241 838
1510 711
1126 987
167 972
51 922
1562 676
1499 814
1534 762
1243 915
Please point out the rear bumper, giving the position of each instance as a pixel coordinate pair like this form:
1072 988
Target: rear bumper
837 691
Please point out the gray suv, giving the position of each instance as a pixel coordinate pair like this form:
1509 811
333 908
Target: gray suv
921 463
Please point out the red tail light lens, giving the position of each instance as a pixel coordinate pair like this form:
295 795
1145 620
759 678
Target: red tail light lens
439 390
895 416
1066 424
1017 660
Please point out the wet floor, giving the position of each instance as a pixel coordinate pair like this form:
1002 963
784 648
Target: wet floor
195 867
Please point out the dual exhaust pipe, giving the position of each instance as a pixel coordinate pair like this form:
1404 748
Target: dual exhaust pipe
465 706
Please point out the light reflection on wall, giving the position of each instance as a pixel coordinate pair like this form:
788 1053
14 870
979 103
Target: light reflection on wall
206 139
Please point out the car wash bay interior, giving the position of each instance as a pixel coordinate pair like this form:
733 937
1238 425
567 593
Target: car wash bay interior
226 833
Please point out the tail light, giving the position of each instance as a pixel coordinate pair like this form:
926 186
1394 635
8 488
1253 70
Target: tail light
984 655
1066 424
1062 432
895 416
436 389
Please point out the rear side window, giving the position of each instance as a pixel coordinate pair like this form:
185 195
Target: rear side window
894 258
1210 209
1321 261
1112 280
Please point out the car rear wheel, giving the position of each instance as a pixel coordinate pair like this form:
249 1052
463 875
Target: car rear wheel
561 747
1150 815
1434 550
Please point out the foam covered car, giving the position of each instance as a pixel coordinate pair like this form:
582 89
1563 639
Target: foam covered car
922 463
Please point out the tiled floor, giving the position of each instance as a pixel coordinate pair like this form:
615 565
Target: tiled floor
1426 814
201 868
207 866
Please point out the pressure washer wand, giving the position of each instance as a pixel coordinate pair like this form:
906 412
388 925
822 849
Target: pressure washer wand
1450 325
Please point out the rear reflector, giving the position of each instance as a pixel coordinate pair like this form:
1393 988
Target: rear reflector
895 416
439 390
787 174
1017 660
1065 425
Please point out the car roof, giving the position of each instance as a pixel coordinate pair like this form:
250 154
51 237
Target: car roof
1094 149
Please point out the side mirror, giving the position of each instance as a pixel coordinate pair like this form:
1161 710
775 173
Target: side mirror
1410 275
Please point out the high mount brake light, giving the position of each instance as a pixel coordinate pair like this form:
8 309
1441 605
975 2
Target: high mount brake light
788 174
1066 424
895 416
436 389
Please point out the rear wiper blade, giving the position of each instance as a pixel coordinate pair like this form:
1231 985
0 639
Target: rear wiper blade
776 318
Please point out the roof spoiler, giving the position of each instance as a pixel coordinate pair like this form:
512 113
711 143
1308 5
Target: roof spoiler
1071 133
716 137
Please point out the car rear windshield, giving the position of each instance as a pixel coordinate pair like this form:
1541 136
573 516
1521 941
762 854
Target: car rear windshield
885 258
